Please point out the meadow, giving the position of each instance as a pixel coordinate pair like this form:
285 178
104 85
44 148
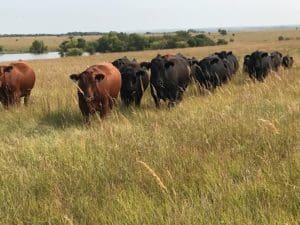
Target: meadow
229 157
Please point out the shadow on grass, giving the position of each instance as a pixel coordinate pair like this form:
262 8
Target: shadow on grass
62 119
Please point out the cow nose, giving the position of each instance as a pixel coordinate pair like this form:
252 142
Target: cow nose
160 83
89 99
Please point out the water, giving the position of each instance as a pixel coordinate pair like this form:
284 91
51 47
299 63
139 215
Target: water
28 56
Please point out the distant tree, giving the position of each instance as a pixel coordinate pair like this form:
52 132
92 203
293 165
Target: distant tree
192 31
200 40
222 42
182 44
280 38
38 47
222 32
81 43
74 52
233 34
158 44
91 47
1 48
231 40
137 42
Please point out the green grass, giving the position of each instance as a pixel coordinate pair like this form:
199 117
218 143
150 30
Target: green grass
232 157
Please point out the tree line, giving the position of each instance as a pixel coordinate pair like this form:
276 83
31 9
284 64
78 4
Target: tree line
121 42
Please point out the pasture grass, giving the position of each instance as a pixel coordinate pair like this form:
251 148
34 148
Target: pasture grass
230 157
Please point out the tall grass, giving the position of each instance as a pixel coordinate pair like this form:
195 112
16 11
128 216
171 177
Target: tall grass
231 157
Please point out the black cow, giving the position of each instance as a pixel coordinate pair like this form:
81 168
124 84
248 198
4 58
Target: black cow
287 62
211 72
170 76
230 60
119 63
259 65
135 81
276 58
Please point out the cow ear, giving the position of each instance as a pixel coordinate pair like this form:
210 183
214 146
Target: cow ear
134 60
115 63
192 61
7 69
247 56
141 73
215 60
168 64
264 54
146 65
158 55
229 53
99 77
75 77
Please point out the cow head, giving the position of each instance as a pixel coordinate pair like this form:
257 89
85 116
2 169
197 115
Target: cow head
3 70
120 63
131 77
87 84
222 54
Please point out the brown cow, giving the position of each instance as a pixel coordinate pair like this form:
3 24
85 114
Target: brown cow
16 81
98 86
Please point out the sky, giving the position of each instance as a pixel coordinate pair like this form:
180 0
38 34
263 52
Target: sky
61 16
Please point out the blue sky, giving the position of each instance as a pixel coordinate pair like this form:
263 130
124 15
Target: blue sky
59 16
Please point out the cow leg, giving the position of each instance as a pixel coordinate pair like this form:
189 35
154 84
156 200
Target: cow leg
15 98
155 97
104 107
112 102
138 99
26 97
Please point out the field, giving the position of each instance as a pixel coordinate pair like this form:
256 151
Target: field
231 157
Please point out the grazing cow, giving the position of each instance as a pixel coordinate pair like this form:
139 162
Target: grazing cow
211 72
259 65
135 81
287 62
119 63
16 81
98 87
230 60
276 58
170 76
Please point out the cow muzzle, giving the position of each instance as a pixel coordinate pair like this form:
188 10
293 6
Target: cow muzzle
89 99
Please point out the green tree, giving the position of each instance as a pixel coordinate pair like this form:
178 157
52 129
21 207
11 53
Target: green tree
1 48
137 42
222 42
81 43
200 40
38 47
222 32
74 52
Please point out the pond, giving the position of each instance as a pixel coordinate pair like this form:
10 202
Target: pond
28 56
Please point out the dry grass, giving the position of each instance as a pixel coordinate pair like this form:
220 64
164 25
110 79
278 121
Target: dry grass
232 157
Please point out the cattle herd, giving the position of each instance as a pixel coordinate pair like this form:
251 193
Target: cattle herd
168 77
